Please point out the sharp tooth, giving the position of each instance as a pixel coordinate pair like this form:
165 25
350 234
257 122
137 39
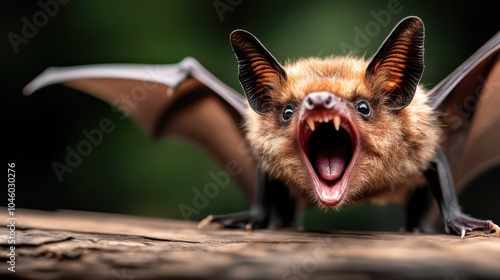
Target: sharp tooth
310 122
336 122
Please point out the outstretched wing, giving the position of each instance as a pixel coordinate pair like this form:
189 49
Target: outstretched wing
468 100
181 99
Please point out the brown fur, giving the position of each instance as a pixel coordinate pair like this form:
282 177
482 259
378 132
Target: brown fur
396 146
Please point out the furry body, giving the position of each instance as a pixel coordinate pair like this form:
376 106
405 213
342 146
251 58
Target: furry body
396 146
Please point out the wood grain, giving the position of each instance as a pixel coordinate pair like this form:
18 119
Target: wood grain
86 245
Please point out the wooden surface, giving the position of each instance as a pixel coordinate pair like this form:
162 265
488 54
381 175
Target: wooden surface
82 245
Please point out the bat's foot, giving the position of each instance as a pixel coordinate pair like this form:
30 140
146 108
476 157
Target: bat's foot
462 223
242 220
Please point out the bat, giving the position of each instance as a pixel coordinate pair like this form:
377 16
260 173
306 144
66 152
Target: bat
330 132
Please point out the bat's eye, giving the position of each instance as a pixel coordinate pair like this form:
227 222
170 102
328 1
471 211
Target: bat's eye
287 113
363 108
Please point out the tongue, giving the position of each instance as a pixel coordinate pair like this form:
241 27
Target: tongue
331 162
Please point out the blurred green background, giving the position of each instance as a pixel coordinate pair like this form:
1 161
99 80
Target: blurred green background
132 174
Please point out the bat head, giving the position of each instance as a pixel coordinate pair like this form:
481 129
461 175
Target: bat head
339 127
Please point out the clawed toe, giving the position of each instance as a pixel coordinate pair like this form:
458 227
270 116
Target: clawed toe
462 224
243 220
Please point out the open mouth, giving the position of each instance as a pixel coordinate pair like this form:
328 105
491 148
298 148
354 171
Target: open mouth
329 146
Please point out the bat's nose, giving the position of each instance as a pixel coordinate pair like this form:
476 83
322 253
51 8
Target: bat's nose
320 99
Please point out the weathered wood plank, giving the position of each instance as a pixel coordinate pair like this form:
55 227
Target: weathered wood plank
81 245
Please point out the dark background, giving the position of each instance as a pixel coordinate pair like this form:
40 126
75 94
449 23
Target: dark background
132 174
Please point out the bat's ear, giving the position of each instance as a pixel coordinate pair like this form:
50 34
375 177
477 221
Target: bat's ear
397 67
259 71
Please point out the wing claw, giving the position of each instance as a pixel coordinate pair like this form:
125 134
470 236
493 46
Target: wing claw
205 221
496 229
248 227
